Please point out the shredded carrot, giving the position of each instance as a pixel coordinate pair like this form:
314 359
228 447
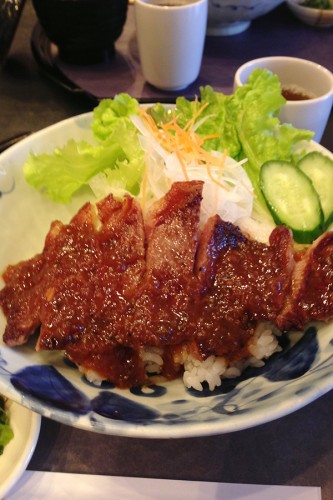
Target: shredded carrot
186 143
191 122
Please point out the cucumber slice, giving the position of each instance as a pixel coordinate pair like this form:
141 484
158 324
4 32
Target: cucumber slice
319 169
292 199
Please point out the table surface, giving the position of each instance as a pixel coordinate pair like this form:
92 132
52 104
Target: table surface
293 450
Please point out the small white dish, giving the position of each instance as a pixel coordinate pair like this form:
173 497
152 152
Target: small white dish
231 17
19 450
311 113
320 18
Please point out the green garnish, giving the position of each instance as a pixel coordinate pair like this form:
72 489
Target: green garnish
117 153
6 433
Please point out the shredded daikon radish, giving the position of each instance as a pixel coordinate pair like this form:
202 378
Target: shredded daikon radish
173 154
260 230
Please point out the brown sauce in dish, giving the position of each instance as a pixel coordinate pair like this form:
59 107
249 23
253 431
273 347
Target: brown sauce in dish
296 93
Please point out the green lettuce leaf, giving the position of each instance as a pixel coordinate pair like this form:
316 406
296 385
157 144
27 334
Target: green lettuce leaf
215 120
6 433
112 112
254 110
61 174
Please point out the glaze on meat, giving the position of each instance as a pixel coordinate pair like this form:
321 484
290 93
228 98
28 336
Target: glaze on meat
161 312
244 282
112 283
311 296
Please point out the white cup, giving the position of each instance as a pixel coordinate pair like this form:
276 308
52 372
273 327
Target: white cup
171 37
317 81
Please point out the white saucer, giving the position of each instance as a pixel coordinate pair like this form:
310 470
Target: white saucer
18 452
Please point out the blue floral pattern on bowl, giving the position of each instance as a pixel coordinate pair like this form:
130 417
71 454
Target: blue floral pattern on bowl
290 379
230 17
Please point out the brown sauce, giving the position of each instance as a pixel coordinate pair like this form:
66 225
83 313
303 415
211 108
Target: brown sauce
103 292
296 93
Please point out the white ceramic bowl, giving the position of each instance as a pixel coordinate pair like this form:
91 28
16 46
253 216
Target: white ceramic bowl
47 384
322 18
230 17
314 79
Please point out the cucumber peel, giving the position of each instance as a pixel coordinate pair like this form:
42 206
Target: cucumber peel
319 168
292 199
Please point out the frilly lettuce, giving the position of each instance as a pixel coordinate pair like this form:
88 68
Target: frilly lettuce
113 113
117 153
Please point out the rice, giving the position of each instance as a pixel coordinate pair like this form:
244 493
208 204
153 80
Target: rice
213 369
264 342
197 372
152 359
91 376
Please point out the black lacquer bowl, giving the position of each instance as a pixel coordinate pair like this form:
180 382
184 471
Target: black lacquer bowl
10 13
83 30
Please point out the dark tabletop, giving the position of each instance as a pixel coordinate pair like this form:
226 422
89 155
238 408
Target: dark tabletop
293 450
